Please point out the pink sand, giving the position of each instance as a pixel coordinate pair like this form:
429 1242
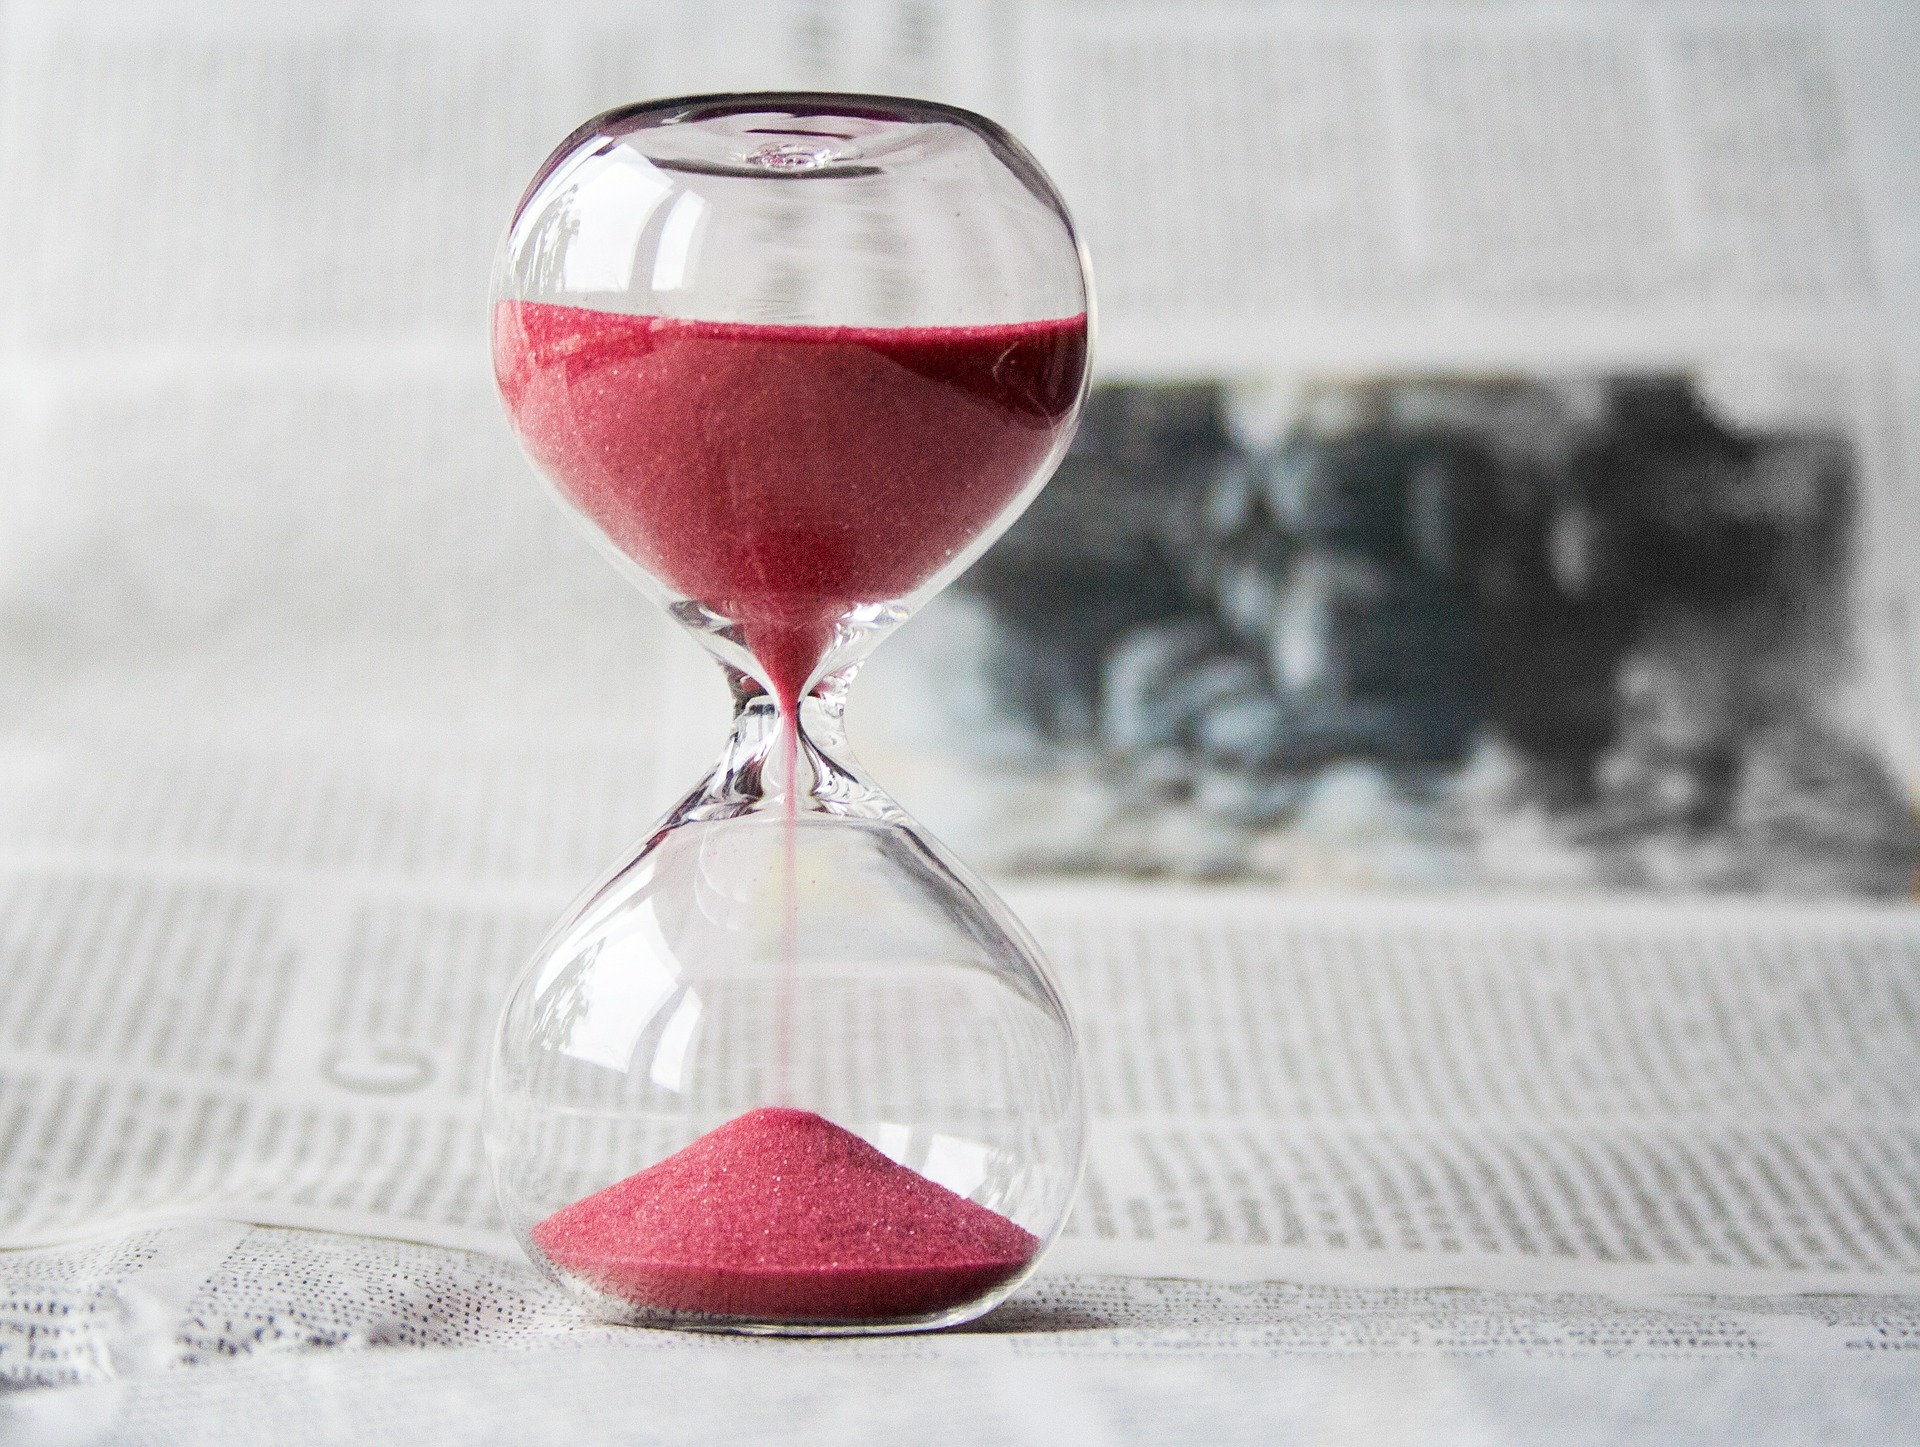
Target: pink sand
780 1215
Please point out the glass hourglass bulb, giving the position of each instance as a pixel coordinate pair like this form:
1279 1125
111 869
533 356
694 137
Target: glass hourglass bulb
796 360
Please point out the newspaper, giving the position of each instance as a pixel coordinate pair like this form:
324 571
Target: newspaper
315 714
1638 1098
1470 231
973 1386
1228 1364
1275 1083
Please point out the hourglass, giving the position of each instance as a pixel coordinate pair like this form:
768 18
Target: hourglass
796 360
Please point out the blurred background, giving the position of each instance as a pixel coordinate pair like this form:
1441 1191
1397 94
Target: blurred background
1501 471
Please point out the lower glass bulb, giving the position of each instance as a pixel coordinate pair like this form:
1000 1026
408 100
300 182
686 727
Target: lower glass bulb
789 1068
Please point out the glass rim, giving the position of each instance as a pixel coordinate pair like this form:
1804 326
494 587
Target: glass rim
624 120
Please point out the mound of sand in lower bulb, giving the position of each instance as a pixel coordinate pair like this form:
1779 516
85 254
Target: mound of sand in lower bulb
781 1215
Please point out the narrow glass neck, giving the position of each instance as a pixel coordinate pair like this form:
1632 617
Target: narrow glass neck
763 766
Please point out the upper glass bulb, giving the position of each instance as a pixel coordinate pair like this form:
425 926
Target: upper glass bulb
797 359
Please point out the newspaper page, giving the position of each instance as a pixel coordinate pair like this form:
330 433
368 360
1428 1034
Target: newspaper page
969 1390
1643 1096
1452 515
1429 1121
316 713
